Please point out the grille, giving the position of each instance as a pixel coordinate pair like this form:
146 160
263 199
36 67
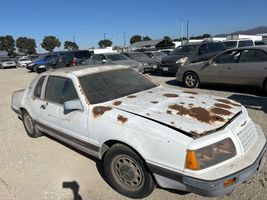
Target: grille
248 136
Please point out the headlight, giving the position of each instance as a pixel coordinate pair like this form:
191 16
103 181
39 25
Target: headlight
182 60
145 64
210 155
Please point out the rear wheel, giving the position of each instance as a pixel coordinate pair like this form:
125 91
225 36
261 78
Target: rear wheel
126 172
191 80
29 125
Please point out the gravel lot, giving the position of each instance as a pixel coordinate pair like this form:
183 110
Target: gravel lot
45 169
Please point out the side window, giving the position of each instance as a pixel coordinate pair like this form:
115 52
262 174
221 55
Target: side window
203 49
98 57
253 55
60 90
245 43
227 57
38 87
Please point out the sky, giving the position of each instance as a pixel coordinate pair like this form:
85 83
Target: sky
88 21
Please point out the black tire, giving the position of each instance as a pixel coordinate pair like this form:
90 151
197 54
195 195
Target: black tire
126 172
191 80
29 125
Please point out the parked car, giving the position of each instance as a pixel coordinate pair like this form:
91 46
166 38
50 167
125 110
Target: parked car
115 58
7 63
229 44
241 66
144 133
80 56
189 53
150 64
23 61
157 55
42 62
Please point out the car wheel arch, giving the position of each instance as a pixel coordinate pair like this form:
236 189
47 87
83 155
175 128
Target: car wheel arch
190 71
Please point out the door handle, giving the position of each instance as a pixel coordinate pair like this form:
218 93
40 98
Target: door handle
43 107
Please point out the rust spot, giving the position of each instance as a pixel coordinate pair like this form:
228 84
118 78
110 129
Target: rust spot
220 111
100 110
169 112
228 102
154 102
194 134
33 98
172 123
147 114
131 96
190 92
150 92
171 95
182 103
201 114
221 105
191 97
122 119
117 103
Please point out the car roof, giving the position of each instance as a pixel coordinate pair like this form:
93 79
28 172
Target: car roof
84 70
262 47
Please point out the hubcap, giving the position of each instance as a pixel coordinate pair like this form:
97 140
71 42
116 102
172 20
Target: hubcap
190 80
127 172
28 123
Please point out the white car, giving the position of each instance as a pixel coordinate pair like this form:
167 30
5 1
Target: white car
144 133
22 62
7 63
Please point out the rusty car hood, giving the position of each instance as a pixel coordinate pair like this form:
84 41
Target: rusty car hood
188 111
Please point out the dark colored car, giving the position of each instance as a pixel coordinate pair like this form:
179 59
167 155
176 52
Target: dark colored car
149 64
156 55
189 53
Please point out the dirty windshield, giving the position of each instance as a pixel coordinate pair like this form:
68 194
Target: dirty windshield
109 85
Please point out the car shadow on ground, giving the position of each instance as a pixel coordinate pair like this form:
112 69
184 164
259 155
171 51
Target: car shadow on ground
161 74
225 88
74 186
251 102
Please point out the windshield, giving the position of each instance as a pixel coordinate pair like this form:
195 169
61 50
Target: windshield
184 49
6 60
24 59
137 56
116 57
160 54
109 85
231 44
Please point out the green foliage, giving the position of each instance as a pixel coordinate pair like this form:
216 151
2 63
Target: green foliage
146 38
206 35
50 43
71 46
105 43
7 43
135 38
26 45
167 38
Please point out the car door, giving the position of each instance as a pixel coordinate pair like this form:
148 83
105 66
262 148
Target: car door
224 65
251 68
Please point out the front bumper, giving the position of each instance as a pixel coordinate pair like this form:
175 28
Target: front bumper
172 69
216 187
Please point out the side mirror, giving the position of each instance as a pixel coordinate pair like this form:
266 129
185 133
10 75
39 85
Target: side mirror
104 61
72 105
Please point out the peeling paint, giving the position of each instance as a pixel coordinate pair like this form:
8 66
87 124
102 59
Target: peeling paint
220 111
228 102
172 123
122 119
169 112
117 103
100 110
194 134
131 96
190 92
171 95
154 102
221 105
201 114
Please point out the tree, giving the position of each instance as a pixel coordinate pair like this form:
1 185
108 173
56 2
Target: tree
7 43
167 38
26 45
146 38
50 43
135 38
206 35
71 46
105 43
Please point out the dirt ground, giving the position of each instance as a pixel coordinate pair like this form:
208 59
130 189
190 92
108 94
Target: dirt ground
33 169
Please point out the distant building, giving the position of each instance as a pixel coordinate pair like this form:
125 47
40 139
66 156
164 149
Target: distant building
153 44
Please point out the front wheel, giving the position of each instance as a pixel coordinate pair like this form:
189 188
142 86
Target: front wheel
191 80
126 172
29 125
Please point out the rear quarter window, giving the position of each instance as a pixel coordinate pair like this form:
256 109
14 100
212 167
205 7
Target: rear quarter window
38 88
